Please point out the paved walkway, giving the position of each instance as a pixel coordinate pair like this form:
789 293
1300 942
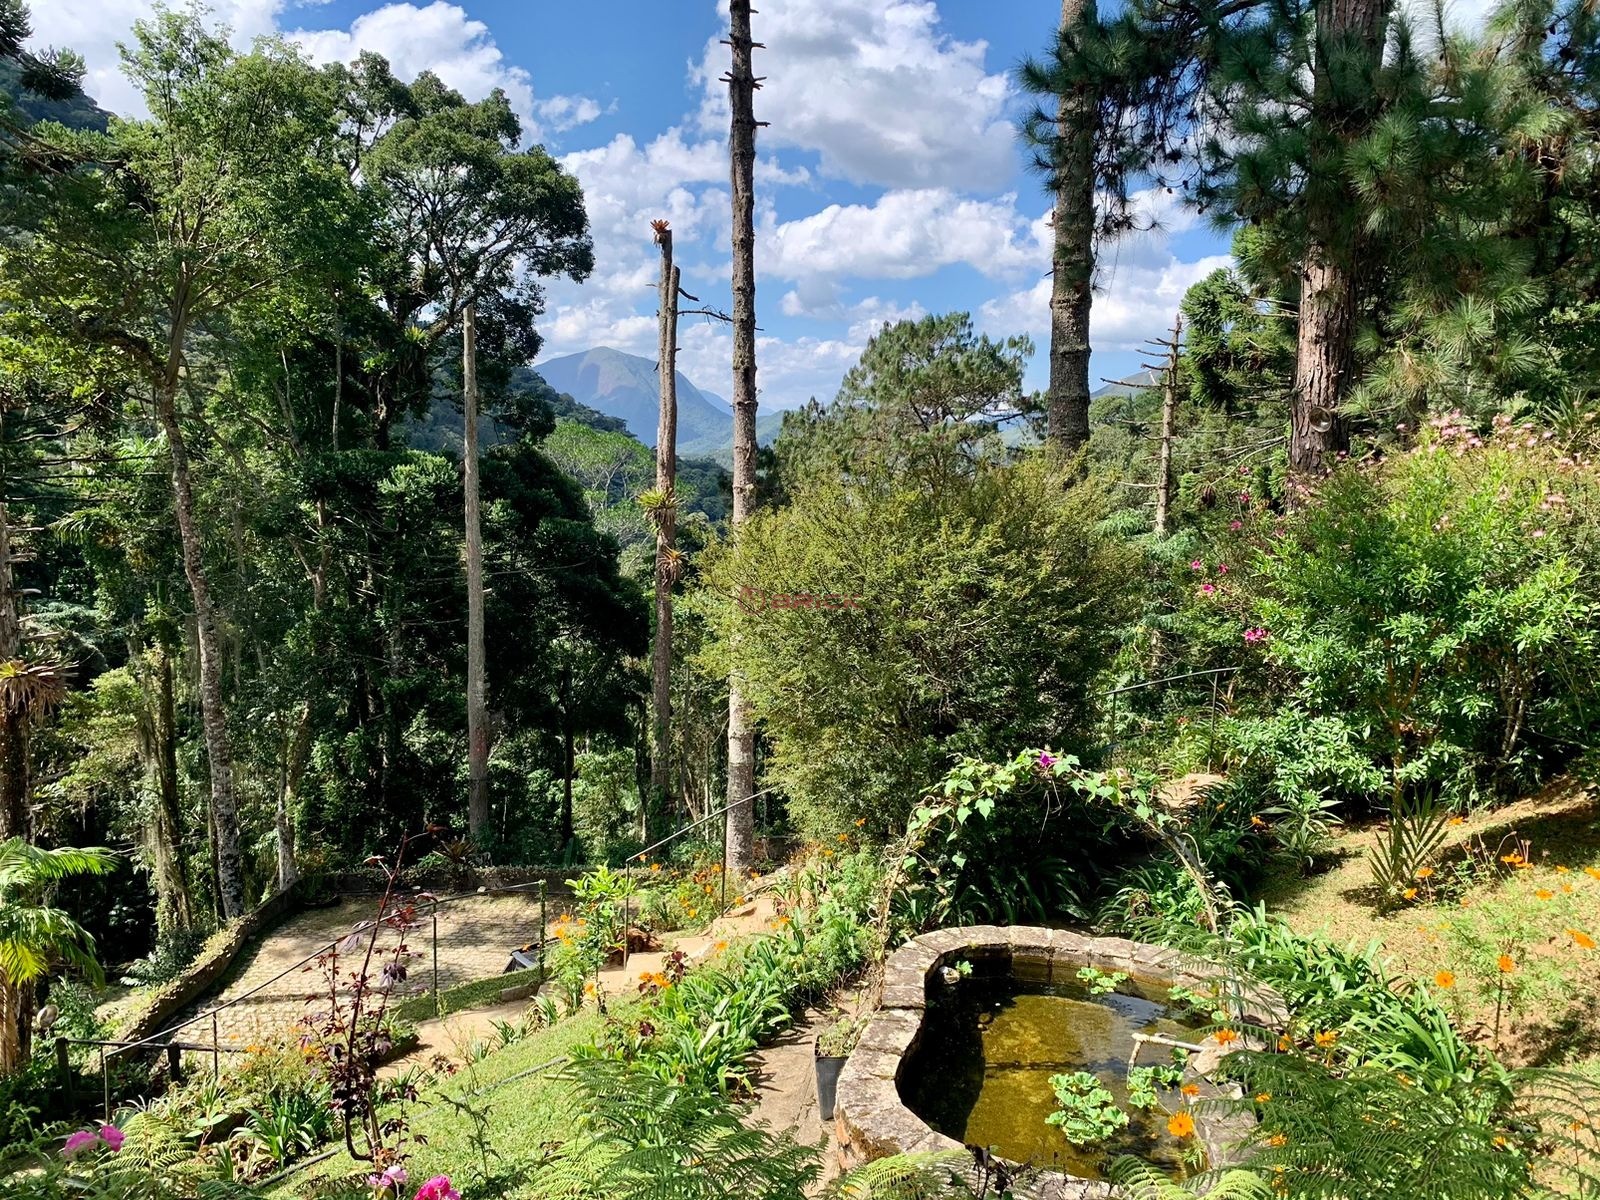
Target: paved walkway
474 941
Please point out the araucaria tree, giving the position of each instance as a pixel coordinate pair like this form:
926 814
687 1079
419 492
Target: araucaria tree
742 84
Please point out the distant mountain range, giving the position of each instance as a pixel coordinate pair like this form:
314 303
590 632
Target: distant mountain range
625 386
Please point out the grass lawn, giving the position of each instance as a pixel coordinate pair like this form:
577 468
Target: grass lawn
1554 893
522 1115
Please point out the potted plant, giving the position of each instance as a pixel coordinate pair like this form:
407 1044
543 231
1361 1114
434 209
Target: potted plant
833 1047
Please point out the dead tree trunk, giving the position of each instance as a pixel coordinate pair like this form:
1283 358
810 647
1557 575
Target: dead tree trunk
213 714
477 698
1071 289
1169 405
742 85
666 518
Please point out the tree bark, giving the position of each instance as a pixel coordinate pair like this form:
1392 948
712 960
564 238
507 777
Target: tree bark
1072 282
1169 405
568 761
158 750
219 752
1347 32
666 531
739 851
477 697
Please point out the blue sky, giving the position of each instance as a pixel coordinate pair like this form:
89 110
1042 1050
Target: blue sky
890 182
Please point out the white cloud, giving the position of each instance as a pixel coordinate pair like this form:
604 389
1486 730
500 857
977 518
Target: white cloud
903 235
94 28
437 37
561 113
878 90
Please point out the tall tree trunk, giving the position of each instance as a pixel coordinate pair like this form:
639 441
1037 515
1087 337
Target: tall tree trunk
1169 405
13 717
739 851
294 771
158 751
1072 283
1348 33
219 753
477 699
568 760
666 531
15 1015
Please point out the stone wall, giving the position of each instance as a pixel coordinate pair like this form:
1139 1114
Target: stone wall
873 1122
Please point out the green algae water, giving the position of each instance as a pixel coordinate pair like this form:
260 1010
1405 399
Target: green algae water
981 1073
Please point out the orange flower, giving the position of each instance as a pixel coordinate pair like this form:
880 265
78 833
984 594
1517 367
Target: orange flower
693 912
1285 1042
720 947
1560 870
827 854
1263 1097
1456 821
1465 903
1445 979
1409 894
844 837
860 821
1507 964
1424 872
1190 1089
655 868
1278 1139
1581 938
1592 872
1225 1037
1566 887
1545 894
1327 1038
1180 1125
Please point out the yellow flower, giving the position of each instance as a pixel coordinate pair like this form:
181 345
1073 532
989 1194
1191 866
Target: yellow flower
1560 870
1581 938
1278 1139
693 912
720 947
1592 872
1257 822
588 989
1545 894
827 854
1566 887
844 837
1180 1125
860 821
1327 1038
1409 894
1507 964
1445 979
655 868
1457 820
1263 1097
1424 872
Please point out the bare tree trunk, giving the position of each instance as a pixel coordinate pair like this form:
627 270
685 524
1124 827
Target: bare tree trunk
1072 284
1348 33
13 718
739 851
219 752
157 749
1169 404
14 1015
666 517
568 760
477 699
289 796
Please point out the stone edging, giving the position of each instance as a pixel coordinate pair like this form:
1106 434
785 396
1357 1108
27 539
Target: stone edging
873 1122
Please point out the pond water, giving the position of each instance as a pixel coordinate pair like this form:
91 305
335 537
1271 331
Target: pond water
981 1073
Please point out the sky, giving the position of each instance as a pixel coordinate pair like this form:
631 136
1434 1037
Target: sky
890 183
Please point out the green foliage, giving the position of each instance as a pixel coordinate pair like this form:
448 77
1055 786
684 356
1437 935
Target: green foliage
1139 1181
1145 1083
1416 831
984 611
1100 983
1087 1112
33 934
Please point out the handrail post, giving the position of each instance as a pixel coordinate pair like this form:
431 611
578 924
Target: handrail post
627 908
1211 738
543 926
216 1048
105 1083
438 1004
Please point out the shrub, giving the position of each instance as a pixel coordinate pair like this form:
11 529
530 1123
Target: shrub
1444 607
985 613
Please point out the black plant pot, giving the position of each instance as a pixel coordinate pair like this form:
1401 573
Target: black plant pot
828 1069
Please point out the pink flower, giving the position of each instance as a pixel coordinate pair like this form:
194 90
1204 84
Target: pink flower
1207 589
438 1188
1222 568
1235 525
78 1142
1244 497
1255 634
1537 533
1197 565
112 1137
1046 760
393 1177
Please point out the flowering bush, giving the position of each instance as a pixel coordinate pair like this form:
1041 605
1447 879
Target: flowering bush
1444 606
